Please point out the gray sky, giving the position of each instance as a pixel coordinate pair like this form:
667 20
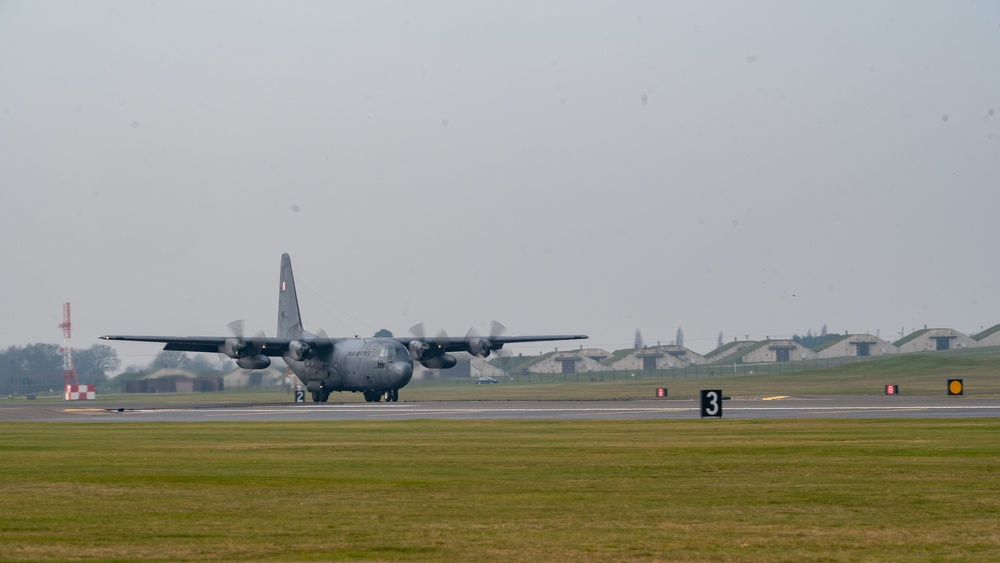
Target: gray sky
755 168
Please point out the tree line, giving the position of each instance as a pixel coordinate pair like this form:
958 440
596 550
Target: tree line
38 368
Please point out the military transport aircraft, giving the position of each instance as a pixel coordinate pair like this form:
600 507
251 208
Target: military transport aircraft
377 367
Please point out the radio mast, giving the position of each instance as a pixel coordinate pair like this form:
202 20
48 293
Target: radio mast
69 370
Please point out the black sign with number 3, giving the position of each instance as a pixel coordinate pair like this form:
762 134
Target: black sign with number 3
711 403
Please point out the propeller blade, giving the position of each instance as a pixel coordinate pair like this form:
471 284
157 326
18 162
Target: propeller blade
236 328
497 329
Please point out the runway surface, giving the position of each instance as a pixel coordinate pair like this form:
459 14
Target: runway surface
760 408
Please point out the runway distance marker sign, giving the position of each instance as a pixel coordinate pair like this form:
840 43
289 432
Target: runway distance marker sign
711 403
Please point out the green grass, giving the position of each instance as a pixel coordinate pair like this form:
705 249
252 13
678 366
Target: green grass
781 490
916 374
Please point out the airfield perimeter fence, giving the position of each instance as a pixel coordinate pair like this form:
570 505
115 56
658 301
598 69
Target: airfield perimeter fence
688 372
713 370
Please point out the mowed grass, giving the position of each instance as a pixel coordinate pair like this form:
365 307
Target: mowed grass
916 374
698 490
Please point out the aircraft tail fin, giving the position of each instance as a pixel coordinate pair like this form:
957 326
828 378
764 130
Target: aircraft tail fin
289 320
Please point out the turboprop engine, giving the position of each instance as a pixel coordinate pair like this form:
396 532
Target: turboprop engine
254 362
236 348
299 350
444 361
419 350
480 347
431 357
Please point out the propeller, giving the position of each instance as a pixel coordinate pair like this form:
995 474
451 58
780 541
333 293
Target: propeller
483 347
236 329
239 345
420 347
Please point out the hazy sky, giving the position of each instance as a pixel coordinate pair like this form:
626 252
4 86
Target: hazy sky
755 168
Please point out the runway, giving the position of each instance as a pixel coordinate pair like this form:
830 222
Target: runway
667 409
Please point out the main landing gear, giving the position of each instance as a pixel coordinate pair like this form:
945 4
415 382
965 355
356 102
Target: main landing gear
390 395
321 396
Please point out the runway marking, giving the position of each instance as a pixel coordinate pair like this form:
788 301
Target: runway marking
774 398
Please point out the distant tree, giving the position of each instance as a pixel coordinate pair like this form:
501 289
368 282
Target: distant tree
383 333
638 339
31 368
169 359
823 331
719 343
680 337
93 364
199 363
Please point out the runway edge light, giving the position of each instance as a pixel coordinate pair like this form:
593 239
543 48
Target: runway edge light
956 387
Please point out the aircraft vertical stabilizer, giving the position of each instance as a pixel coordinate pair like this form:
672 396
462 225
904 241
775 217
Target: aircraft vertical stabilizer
289 320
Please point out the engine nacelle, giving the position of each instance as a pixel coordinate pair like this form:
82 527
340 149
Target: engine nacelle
419 350
480 347
299 350
444 361
236 348
254 362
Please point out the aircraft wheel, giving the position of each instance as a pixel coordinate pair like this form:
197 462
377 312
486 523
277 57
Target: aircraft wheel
324 396
395 395
316 397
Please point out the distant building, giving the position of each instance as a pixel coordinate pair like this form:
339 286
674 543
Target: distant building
855 346
583 360
931 339
478 367
989 337
653 358
269 377
767 351
730 352
172 381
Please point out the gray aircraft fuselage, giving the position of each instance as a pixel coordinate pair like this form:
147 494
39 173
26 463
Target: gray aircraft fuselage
359 364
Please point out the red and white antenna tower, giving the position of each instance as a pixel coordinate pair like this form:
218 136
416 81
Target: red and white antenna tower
69 371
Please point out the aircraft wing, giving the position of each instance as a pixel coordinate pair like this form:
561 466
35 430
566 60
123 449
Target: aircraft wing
277 347
267 346
462 344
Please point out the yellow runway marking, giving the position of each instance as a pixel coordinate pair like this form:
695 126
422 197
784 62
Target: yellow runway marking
774 398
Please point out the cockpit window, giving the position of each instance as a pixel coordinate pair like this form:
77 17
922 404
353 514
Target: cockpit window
398 351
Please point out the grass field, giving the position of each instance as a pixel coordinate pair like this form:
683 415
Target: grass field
782 490
916 374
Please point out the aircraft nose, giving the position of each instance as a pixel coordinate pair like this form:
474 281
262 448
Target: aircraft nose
402 370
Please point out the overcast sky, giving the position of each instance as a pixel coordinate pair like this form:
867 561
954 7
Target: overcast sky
751 168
